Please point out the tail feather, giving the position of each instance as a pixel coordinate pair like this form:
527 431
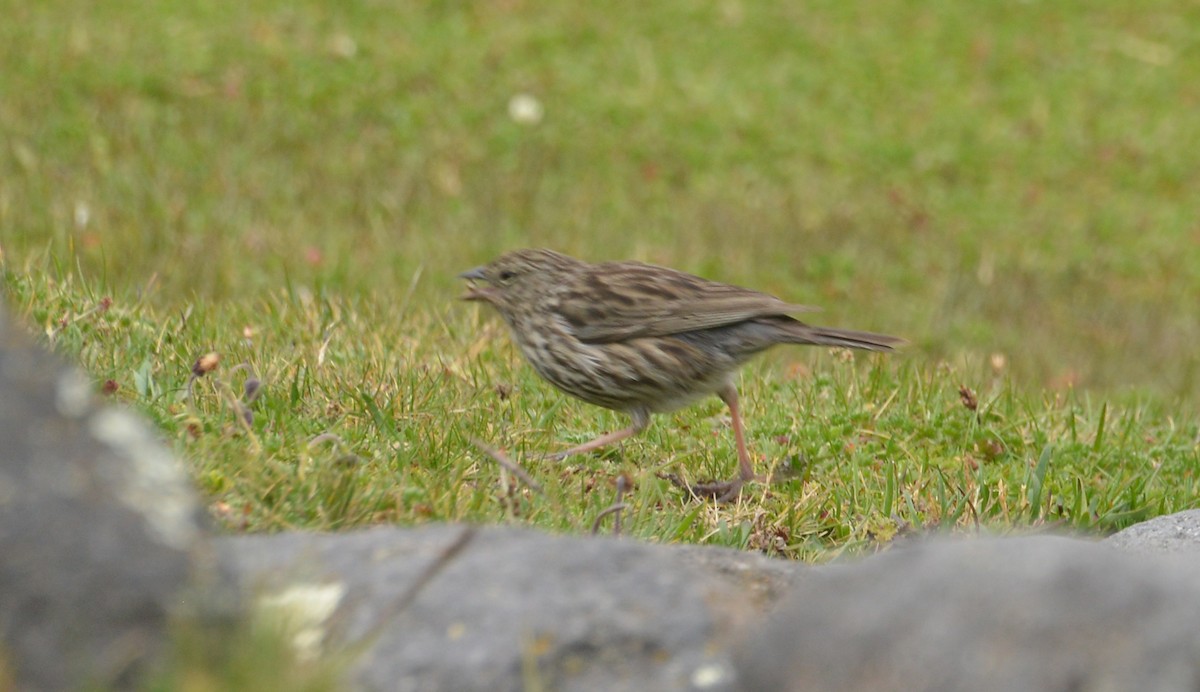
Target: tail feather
845 338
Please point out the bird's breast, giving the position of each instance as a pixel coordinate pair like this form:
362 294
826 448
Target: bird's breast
658 373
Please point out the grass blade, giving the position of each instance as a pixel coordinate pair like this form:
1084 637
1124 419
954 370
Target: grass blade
1037 482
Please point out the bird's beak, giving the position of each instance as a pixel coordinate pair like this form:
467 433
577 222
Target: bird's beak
475 292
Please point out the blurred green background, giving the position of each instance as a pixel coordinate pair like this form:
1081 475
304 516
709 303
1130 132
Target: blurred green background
1014 178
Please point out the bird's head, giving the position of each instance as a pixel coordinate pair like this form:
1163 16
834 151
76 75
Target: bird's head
518 277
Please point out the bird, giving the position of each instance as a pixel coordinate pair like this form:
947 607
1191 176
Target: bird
643 339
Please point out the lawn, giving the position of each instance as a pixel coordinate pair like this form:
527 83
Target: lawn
294 186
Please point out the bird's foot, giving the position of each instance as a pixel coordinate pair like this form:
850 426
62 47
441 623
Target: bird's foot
721 491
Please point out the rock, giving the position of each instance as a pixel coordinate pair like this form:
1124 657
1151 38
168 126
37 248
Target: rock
1174 533
513 609
1037 613
99 531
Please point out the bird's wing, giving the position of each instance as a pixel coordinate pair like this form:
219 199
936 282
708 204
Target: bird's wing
615 301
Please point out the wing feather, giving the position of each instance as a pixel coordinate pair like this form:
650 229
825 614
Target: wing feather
615 301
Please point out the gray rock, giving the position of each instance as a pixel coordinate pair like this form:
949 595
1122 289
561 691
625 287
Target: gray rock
1174 533
513 609
1038 613
98 528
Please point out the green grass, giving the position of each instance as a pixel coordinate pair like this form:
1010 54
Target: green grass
295 185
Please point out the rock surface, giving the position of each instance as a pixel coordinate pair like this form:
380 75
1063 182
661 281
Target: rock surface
512 609
98 529
1174 533
1039 613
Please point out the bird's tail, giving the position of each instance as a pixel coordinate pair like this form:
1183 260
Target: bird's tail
845 338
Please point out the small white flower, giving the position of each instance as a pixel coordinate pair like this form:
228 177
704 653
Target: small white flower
83 214
343 46
525 109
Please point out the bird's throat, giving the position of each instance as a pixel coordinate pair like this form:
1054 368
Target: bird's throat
483 293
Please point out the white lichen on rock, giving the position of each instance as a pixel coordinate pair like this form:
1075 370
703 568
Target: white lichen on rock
73 394
301 611
152 483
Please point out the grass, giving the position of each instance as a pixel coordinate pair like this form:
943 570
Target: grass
294 186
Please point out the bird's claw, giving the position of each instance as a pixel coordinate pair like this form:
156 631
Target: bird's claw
721 491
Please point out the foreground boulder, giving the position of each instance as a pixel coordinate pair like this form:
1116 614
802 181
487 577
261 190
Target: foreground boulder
1040 613
99 531
460 608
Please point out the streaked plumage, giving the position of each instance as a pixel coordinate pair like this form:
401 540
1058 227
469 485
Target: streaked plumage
640 338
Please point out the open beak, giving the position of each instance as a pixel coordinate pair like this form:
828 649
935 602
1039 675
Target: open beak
474 291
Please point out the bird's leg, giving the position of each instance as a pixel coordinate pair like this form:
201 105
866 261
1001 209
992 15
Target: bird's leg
641 418
725 491
745 464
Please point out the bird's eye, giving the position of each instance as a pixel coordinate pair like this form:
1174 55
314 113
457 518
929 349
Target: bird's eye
507 275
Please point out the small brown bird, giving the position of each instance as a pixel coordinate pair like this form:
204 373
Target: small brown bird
643 339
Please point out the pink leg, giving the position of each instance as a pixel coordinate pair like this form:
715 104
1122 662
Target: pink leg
729 395
726 491
640 420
